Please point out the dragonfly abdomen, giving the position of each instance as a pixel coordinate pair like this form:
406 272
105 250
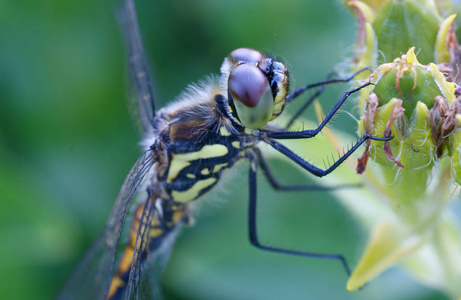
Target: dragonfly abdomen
148 232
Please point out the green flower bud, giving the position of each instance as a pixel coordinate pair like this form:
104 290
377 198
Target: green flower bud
420 105
389 28
411 101
402 24
422 110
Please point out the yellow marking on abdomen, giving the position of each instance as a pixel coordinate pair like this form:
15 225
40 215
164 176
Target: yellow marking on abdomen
176 218
116 283
219 167
181 161
205 171
193 191
191 176
155 232
127 258
124 266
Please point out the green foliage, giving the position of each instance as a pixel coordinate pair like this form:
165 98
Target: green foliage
66 143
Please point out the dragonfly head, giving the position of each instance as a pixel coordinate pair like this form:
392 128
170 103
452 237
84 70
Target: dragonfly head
256 86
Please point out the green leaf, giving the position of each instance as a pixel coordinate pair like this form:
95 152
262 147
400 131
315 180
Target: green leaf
388 245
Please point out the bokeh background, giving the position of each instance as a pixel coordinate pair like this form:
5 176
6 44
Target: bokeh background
67 142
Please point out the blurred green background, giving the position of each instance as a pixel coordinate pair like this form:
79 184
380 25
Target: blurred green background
67 142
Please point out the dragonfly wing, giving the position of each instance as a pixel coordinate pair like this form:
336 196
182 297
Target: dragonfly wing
141 99
148 263
148 284
136 288
157 263
92 278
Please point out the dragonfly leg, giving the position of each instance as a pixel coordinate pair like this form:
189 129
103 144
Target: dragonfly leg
253 226
307 104
317 93
298 187
313 169
327 81
313 132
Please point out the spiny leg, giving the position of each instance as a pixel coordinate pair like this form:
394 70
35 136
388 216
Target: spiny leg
302 89
317 93
312 132
313 169
306 105
298 187
252 226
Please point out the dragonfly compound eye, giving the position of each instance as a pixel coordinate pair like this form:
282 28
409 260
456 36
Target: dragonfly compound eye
247 55
251 96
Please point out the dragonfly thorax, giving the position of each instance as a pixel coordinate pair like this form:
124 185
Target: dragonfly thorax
256 86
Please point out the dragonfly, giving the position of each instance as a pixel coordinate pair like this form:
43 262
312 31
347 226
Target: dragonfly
189 146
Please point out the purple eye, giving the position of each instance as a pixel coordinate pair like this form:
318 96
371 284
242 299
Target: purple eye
247 55
247 84
251 95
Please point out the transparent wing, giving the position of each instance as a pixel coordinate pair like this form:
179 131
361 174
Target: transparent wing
137 288
149 260
146 284
91 279
140 98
